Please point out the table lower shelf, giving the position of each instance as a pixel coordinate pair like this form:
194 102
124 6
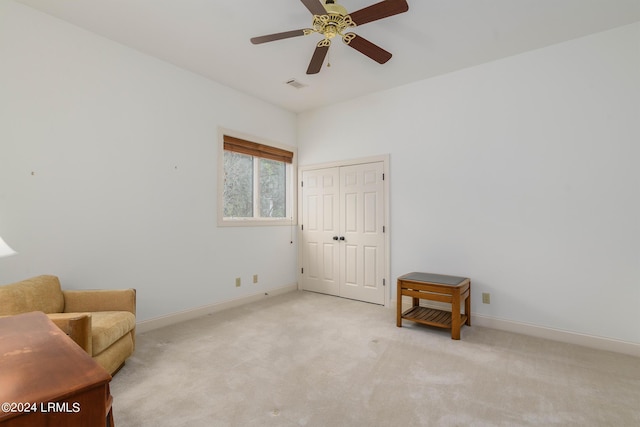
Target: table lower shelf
431 316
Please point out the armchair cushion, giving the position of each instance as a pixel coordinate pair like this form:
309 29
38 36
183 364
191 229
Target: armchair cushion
100 300
33 294
107 327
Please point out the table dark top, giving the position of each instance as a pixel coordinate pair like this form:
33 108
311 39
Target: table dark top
433 278
41 364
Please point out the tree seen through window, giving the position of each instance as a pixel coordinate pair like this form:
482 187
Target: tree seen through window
245 196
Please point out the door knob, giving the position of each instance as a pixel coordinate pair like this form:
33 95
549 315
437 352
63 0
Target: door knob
341 237
335 237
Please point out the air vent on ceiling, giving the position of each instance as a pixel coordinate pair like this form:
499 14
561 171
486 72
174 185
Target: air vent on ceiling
295 83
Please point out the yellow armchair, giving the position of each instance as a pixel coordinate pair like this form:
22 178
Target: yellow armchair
102 322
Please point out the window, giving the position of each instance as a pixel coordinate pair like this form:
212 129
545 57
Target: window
256 183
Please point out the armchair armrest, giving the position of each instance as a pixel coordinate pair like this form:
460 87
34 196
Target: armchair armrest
77 326
100 300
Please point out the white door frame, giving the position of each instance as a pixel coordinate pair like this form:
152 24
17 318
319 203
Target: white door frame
387 235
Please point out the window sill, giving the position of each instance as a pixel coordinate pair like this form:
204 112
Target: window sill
252 222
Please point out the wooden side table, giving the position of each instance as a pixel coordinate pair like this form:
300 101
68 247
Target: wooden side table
435 287
46 379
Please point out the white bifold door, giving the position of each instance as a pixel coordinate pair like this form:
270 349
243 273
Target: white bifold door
342 230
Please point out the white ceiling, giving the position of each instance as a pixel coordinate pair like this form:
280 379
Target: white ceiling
211 38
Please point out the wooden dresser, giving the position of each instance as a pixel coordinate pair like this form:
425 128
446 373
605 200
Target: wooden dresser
46 379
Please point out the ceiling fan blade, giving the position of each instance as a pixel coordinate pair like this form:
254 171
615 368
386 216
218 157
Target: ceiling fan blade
317 59
314 6
367 48
277 36
383 9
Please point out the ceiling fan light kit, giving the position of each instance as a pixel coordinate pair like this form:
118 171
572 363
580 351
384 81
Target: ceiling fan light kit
331 19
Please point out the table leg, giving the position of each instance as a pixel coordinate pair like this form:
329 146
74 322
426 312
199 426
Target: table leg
455 315
109 420
467 306
399 307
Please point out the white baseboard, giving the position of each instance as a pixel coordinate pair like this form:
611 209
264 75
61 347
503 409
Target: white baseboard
181 316
591 341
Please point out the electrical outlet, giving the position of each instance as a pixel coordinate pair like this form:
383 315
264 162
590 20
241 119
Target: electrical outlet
238 282
255 278
486 298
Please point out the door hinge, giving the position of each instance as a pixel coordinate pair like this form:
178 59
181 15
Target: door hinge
384 282
383 177
301 183
302 227
383 229
302 270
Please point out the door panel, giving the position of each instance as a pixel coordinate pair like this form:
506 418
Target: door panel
320 253
312 254
370 266
330 202
362 213
330 252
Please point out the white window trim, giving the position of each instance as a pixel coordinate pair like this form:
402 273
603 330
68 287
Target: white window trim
292 200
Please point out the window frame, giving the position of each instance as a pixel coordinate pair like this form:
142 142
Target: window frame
291 185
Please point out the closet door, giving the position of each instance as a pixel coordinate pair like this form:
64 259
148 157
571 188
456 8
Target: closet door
320 230
361 226
342 231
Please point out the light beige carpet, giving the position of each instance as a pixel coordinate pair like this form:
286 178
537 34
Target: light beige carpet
304 359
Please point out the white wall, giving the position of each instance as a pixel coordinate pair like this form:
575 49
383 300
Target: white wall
521 174
108 170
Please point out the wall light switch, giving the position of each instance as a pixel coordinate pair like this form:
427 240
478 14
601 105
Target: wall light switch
255 278
238 282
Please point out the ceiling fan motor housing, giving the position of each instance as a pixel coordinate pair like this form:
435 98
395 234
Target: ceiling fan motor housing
334 22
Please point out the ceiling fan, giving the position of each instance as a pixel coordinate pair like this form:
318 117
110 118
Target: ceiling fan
330 20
